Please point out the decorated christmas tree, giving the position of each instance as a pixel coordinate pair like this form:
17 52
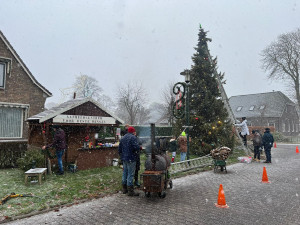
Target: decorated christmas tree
208 116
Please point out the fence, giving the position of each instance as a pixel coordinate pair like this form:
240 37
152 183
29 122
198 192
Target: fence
191 164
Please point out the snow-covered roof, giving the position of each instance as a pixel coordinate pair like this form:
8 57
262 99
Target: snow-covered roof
270 104
20 61
57 110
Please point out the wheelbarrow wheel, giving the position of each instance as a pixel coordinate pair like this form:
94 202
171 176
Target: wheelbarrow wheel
171 184
222 168
162 194
215 169
147 194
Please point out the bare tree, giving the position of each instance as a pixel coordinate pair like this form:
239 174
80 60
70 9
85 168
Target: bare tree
281 60
143 116
86 86
168 99
131 101
107 102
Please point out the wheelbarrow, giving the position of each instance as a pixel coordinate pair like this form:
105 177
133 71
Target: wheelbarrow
220 165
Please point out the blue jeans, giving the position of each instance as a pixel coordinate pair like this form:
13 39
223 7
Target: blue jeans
128 172
59 155
182 156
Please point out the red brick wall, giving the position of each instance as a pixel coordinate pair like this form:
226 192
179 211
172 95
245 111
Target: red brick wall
19 88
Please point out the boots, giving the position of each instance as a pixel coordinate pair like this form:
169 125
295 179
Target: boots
137 184
125 190
131 191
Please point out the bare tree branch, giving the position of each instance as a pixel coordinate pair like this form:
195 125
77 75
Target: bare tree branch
281 60
131 101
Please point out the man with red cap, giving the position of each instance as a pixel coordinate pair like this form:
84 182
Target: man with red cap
128 151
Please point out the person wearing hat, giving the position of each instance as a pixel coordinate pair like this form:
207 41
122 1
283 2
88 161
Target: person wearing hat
128 151
182 142
59 143
244 130
267 141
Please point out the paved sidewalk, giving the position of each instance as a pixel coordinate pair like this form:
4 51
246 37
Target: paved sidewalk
192 199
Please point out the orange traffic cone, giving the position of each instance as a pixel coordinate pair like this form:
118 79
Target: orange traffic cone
265 176
275 146
297 149
221 198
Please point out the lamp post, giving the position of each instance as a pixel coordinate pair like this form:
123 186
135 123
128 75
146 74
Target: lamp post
180 110
187 78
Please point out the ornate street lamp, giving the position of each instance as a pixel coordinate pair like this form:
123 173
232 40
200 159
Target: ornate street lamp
181 109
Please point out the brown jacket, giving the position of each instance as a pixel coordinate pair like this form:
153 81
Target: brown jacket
182 142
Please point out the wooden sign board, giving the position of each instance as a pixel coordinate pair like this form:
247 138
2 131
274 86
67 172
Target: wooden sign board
84 119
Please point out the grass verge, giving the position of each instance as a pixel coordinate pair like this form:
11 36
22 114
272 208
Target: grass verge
69 188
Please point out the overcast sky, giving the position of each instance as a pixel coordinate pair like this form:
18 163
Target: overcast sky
149 40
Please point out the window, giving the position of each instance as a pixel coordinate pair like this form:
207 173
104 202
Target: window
239 108
262 107
2 74
251 108
11 121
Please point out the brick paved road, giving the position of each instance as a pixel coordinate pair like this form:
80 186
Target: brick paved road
191 201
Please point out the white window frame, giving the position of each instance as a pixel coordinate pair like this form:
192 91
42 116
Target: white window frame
7 66
283 126
239 108
24 112
4 74
251 108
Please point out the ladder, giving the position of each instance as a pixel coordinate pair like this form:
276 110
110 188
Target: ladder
191 164
226 102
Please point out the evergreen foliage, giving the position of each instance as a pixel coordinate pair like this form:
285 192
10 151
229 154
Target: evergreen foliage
31 157
208 116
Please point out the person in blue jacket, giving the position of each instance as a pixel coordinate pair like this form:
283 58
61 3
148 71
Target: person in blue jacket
129 152
268 140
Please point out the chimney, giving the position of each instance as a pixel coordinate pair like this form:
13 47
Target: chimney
74 95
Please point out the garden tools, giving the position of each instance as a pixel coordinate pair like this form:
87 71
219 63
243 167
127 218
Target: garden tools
13 195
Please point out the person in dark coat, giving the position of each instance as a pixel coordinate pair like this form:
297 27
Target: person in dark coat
128 151
267 141
59 143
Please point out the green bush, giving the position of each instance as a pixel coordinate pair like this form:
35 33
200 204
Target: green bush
31 156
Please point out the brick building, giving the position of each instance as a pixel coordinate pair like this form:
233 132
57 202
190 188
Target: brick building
21 96
271 109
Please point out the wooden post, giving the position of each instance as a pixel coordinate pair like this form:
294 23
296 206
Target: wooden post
46 138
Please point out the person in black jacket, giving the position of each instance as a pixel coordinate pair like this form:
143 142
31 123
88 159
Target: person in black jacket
268 140
173 148
59 143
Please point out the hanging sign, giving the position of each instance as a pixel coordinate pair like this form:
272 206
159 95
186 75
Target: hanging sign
84 119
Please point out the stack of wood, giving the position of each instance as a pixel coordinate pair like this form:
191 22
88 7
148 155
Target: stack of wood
221 153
